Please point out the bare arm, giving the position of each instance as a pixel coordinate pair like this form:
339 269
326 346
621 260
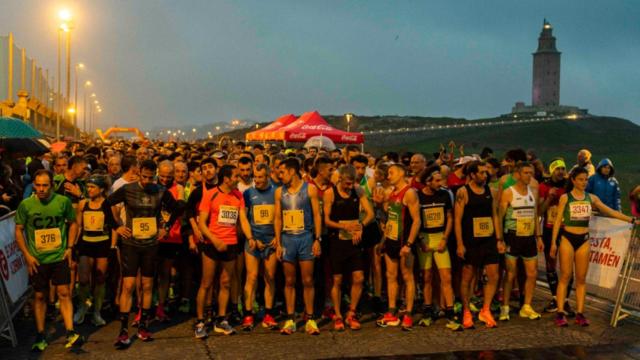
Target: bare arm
461 201
412 202
595 200
277 218
315 206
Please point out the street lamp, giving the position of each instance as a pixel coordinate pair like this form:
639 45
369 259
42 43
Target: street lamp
87 84
348 116
75 96
67 25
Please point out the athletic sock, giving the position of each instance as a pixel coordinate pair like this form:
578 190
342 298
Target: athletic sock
144 321
124 321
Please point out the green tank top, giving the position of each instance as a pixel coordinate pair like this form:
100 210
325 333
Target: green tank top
508 182
577 212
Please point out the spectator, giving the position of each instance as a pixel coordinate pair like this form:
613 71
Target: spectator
634 198
605 185
584 161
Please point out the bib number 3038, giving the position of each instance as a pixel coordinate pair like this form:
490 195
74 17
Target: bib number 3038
48 240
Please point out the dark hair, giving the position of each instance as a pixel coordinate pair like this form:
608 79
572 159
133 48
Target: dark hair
359 159
427 173
493 162
42 172
192 166
308 164
472 167
240 143
225 171
523 164
245 160
258 147
486 152
248 154
149 165
516 155
291 164
349 148
322 160
75 160
266 158
573 174
127 162
392 156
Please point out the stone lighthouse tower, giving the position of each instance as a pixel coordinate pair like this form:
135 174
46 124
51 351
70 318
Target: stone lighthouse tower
546 70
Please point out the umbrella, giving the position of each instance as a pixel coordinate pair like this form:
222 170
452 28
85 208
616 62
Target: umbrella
320 142
16 136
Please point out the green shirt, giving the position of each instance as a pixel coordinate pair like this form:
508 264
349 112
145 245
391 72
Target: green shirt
48 220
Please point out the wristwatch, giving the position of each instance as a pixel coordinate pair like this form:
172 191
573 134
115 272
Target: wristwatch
318 239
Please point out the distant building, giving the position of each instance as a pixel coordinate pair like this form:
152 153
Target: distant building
545 90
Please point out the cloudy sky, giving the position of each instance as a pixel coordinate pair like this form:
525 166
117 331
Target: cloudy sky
159 63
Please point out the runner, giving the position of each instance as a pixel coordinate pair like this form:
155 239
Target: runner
225 206
143 201
574 212
523 238
550 192
48 221
97 238
260 203
298 226
436 210
401 232
478 239
342 204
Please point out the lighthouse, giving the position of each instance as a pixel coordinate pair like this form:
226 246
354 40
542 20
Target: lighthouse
546 70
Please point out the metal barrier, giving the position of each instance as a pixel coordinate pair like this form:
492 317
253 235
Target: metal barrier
627 298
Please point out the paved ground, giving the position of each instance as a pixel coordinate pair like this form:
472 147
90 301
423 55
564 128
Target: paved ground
515 339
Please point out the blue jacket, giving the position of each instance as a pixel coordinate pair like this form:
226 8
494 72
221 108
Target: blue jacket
606 188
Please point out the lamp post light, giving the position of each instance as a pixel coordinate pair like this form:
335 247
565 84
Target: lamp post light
348 116
84 108
75 98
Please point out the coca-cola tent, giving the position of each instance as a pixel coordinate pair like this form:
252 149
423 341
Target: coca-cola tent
312 124
263 134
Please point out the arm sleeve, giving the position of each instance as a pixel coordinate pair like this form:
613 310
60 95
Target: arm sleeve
21 214
192 203
117 197
176 207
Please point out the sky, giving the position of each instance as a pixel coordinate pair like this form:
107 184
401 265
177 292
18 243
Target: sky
159 63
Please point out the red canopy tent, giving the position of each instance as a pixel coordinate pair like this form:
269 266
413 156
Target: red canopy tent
263 134
312 124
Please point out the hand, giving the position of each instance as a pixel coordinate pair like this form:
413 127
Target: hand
197 235
32 264
68 256
72 189
272 243
540 245
356 236
6 198
162 233
378 195
461 150
124 232
193 247
316 249
461 251
405 250
422 245
442 245
220 246
252 244
279 251
501 247
553 250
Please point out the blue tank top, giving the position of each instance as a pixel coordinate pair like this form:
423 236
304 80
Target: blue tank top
297 214
260 211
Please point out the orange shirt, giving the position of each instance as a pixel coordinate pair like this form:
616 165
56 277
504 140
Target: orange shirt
224 213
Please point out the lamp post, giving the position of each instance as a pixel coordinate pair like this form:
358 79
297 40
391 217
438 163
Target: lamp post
75 97
64 16
348 116
84 108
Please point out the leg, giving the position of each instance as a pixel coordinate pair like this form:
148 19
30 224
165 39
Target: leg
270 267
66 306
512 270
226 277
565 256
377 271
392 281
128 283
306 273
357 282
147 294
85 266
290 287
406 266
252 266
427 292
164 279
39 309
491 286
445 286
206 284
531 270
101 265
336 294
465 285
582 266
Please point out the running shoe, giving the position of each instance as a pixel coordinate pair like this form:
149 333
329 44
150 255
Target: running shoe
487 318
97 319
40 344
123 341
201 330
581 320
161 316
407 322
73 339
144 334
527 312
388 319
338 324
185 306
235 318
247 323
328 313
467 320
567 310
495 306
269 322
454 324
311 327
504 313
426 321
561 320
473 307
551 307
223 327
288 328
352 321
457 307
78 317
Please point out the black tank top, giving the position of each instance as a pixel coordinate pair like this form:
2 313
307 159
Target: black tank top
96 223
344 209
477 222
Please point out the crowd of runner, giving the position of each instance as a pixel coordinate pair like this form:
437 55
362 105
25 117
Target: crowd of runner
241 236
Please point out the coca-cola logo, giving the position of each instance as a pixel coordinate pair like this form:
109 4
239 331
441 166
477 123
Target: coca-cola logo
316 127
298 136
349 138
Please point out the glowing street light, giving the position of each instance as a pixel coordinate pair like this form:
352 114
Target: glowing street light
348 116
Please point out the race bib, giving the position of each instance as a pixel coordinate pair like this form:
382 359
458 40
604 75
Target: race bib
48 240
580 210
227 215
393 226
433 217
482 227
524 226
343 234
293 220
552 213
263 214
144 228
93 220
